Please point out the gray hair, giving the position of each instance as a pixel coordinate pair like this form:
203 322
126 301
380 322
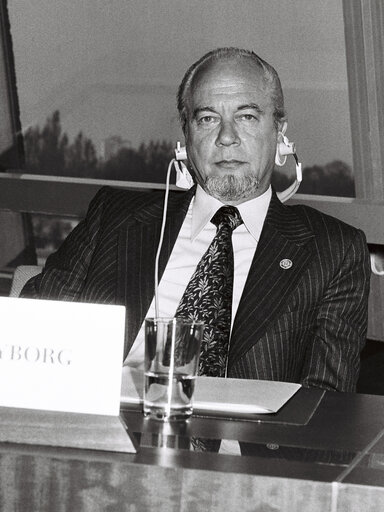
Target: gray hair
270 77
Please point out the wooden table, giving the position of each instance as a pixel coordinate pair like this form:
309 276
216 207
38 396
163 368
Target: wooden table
327 457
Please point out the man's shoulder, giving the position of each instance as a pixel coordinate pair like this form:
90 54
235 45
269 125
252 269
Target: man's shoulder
114 206
117 203
324 225
117 198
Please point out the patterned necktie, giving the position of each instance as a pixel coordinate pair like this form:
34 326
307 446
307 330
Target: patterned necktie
208 296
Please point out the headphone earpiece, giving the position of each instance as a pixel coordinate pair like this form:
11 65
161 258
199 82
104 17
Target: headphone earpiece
183 177
180 152
283 148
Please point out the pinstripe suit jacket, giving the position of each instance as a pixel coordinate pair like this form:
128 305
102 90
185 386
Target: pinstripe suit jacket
306 323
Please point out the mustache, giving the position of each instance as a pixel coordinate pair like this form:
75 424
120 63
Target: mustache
230 160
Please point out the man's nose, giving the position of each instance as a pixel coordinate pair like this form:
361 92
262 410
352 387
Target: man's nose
228 134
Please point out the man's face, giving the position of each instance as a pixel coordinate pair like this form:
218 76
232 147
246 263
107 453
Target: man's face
230 134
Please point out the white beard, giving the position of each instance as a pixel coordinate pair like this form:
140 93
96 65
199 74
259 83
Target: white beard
231 187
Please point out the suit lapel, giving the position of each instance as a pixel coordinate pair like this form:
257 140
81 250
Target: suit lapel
283 252
138 242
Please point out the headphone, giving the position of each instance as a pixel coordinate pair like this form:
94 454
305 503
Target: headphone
283 148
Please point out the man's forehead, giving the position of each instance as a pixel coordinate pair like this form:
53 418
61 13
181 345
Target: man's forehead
230 78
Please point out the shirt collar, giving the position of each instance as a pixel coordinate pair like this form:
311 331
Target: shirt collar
253 212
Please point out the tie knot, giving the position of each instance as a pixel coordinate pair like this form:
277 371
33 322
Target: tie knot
227 216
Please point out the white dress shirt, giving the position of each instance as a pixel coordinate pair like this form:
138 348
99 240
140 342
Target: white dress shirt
195 236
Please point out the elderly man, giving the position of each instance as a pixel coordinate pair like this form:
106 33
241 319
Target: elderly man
293 306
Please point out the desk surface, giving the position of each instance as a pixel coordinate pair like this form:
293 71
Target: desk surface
333 462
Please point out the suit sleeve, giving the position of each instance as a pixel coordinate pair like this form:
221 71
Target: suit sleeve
65 271
333 357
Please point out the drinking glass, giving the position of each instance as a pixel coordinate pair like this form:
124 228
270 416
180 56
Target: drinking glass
172 350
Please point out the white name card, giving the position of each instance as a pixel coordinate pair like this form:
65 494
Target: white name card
61 356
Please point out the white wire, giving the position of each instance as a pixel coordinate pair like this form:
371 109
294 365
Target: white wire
161 238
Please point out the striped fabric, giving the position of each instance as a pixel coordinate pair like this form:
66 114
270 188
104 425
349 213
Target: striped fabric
303 313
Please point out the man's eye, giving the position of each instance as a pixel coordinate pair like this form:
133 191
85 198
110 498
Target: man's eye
248 117
206 120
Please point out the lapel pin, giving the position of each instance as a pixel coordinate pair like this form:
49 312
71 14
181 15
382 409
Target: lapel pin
286 264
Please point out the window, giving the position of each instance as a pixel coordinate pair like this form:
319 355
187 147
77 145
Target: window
97 81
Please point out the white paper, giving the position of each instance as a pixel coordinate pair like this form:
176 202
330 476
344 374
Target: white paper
61 356
242 395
